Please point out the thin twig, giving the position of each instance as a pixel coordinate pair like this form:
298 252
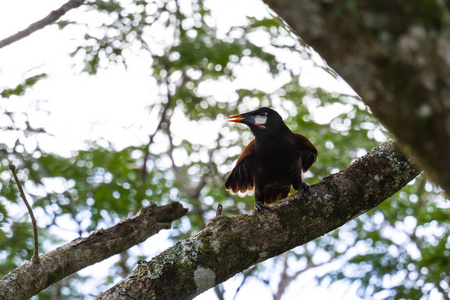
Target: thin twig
49 19
35 259
246 276
151 137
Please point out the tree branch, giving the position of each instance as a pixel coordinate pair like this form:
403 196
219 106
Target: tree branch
229 245
35 259
29 279
51 18
395 57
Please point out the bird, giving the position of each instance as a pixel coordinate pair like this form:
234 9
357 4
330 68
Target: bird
273 161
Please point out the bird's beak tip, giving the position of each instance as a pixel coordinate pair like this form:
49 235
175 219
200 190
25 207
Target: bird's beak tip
236 118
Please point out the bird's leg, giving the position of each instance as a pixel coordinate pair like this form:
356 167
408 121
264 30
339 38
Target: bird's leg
259 200
304 188
260 207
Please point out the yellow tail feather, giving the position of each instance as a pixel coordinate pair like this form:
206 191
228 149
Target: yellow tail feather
279 197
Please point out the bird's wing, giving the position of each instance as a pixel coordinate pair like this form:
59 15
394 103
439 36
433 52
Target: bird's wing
308 159
241 177
309 152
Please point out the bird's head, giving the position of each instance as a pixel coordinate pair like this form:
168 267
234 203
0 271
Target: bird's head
262 121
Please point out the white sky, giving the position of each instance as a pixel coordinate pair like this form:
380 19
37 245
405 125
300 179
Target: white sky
112 104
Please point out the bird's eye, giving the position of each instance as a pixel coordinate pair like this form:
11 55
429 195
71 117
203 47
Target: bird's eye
263 113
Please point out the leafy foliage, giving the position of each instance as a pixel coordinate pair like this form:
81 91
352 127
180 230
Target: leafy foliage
19 90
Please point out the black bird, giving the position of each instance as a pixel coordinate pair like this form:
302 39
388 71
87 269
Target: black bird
273 161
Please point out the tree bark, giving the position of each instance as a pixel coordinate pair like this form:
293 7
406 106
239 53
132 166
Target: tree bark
29 279
396 56
229 245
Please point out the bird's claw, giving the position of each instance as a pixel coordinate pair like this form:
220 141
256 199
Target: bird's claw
260 207
305 189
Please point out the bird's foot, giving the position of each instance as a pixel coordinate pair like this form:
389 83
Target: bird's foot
260 207
304 188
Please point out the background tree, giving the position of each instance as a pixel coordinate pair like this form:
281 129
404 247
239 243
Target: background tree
397 251
404 45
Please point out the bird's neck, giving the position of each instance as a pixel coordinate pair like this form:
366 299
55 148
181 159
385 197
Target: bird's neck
270 136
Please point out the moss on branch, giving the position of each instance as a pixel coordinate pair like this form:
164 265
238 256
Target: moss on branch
229 245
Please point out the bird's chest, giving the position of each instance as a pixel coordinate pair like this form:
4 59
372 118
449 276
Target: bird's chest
277 161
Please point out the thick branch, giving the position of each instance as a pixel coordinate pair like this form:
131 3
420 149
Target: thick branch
51 18
395 55
30 279
229 245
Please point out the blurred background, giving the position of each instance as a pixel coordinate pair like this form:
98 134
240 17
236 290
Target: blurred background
123 103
